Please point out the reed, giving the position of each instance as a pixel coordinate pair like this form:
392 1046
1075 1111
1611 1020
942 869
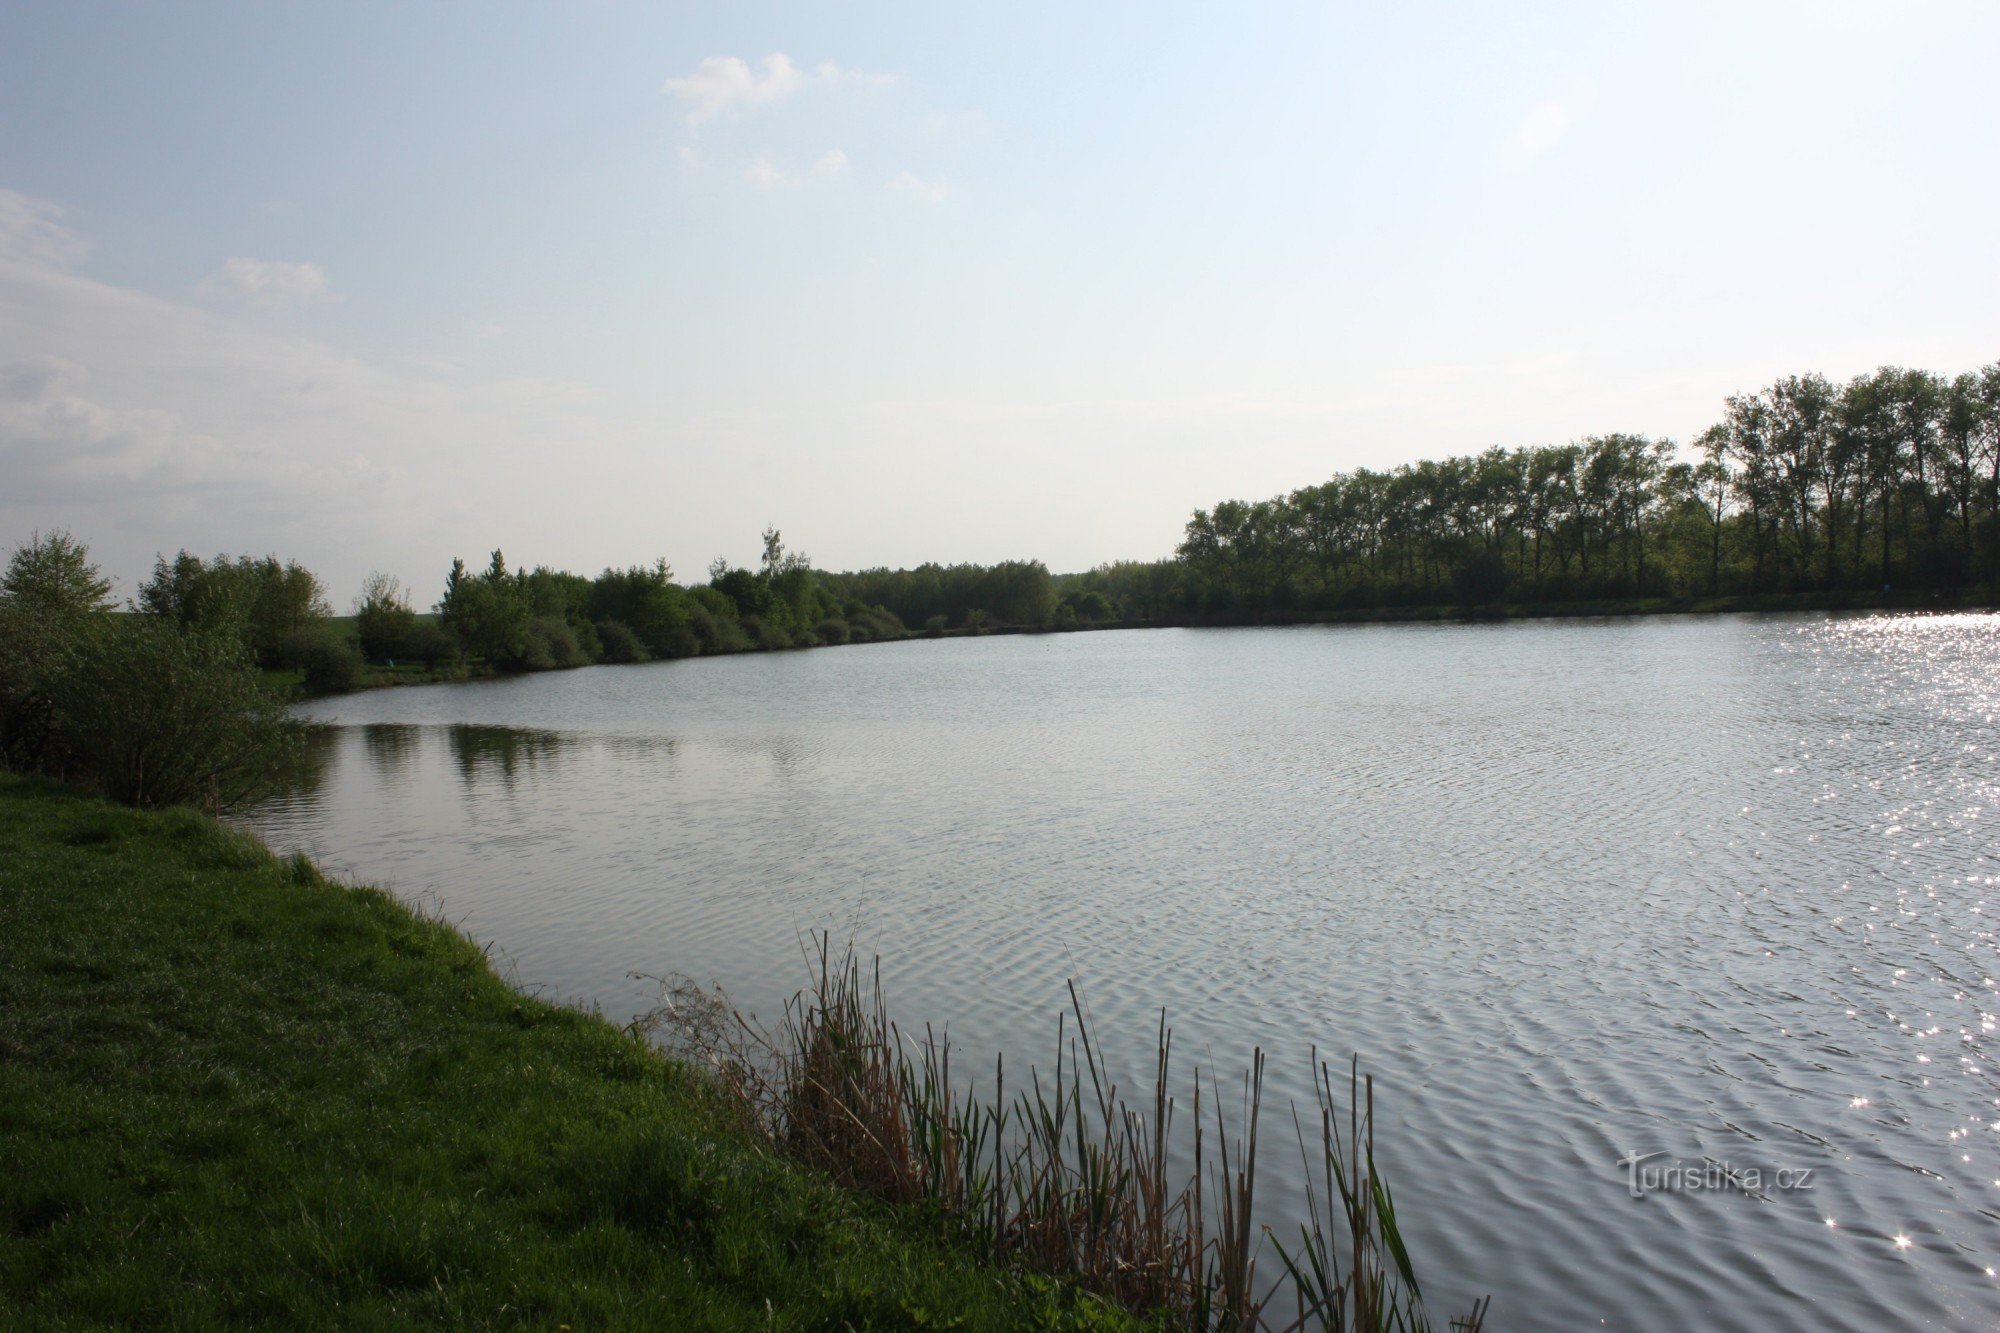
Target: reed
1069 1175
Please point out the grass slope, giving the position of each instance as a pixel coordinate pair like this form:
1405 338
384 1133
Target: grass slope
233 1093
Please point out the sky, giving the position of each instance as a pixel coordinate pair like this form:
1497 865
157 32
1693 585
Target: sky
374 286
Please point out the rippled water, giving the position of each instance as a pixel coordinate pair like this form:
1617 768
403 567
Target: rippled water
1716 889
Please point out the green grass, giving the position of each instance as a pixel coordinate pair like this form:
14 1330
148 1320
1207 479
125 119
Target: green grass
233 1093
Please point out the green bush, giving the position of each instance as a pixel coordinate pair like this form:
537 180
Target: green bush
37 649
716 633
383 619
551 643
330 663
433 645
934 627
764 635
156 714
833 630
620 644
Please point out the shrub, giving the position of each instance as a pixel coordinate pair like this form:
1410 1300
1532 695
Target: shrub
156 714
716 633
432 644
833 630
37 650
678 640
764 635
550 644
331 664
383 619
619 642
934 627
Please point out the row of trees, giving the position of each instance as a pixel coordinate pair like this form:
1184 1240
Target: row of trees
1013 592
1890 481
542 618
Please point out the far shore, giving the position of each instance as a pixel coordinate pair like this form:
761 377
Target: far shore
1274 617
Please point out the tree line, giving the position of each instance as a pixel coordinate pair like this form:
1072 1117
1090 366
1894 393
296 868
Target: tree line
178 697
1887 483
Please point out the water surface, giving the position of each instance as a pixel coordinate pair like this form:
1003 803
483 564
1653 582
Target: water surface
1714 889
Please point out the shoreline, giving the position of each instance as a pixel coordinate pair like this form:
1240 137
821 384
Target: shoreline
242 1092
1615 609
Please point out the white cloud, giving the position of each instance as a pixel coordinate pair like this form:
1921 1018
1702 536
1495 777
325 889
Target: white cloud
32 229
720 83
765 176
271 280
935 192
1543 127
686 153
831 163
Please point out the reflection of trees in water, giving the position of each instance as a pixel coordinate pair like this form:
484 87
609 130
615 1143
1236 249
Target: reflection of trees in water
392 747
501 751
301 783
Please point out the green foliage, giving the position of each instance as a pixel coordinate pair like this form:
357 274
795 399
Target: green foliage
647 602
153 713
765 636
327 660
383 619
260 601
52 574
38 649
1014 592
832 629
1890 481
488 613
551 645
619 643
433 645
51 599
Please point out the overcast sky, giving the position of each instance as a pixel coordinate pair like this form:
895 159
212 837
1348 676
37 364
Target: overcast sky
374 286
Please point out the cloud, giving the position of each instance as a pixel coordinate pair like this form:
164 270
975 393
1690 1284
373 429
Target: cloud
1543 127
270 280
767 177
146 424
722 83
935 192
32 229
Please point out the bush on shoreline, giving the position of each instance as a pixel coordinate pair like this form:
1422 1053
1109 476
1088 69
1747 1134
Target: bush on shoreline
148 709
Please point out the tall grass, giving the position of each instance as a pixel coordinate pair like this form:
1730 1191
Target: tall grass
1069 1175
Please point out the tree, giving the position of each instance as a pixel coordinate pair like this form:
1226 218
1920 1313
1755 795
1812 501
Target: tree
264 602
488 613
52 600
54 574
383 618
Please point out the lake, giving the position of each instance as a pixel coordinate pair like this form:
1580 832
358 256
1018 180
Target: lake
1722 890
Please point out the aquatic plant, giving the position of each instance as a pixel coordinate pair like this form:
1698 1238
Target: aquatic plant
1069 1176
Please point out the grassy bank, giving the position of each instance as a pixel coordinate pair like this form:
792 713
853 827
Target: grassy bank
231 1092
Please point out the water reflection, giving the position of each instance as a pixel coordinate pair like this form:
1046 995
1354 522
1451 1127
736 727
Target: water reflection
503 752
392 749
